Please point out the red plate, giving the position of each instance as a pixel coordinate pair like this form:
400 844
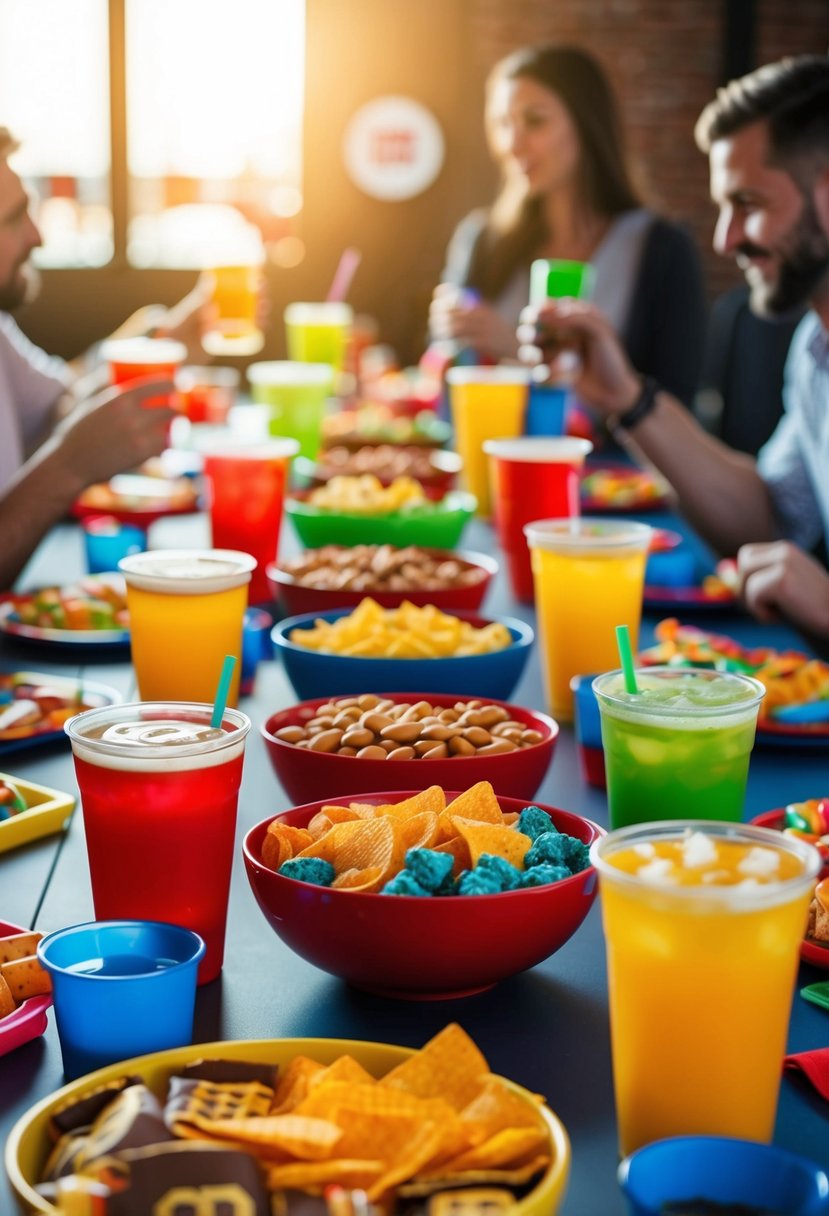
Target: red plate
29 1020
138 499
817 955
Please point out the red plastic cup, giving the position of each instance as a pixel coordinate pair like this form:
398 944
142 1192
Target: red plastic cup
143 359
207 394
246 491
533 477
159 792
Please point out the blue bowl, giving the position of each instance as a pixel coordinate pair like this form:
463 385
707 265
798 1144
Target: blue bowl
725 1171
314 674
121 988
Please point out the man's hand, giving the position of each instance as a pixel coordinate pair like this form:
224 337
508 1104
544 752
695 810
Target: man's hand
574 337
779 580
110 433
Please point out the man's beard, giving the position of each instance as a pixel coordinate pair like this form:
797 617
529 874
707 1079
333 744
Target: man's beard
22 288
804 263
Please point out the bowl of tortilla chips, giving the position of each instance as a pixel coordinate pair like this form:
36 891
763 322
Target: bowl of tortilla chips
427 894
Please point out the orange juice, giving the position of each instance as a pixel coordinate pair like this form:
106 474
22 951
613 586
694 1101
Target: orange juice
186 609
234 292
486 403
703 923
588 576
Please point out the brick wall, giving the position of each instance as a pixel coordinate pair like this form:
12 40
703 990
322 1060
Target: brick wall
664 58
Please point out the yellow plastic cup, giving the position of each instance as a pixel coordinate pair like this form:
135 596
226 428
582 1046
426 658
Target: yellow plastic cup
485 403
588 575
186 610
700 974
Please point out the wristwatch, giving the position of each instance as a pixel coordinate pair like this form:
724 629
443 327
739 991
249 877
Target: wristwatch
642 406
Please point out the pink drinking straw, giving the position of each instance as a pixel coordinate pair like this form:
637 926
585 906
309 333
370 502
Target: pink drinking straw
349 262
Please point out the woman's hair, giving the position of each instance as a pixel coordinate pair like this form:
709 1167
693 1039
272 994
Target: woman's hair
516 227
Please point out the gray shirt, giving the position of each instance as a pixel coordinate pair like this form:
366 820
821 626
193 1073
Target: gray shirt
795 462
31 382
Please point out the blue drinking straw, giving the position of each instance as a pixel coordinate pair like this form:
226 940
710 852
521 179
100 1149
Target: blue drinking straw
626 657
222 690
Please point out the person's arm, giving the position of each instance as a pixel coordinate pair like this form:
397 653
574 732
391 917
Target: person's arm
107 435
720 491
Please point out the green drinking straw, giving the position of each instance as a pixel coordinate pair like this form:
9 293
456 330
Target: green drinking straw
626 657
221 691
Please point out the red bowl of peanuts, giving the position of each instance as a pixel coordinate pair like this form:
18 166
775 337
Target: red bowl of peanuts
333 746
340 576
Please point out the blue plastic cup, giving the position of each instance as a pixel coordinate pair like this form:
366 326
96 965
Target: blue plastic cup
725 1171
121 988
107 541
256 645
547 408
588 726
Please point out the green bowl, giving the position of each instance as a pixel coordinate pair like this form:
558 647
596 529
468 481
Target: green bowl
436 525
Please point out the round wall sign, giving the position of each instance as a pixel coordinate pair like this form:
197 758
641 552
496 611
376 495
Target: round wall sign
393 148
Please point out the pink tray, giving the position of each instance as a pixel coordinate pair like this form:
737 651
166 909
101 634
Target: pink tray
27 1022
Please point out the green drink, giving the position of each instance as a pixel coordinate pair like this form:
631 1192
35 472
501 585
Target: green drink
679 747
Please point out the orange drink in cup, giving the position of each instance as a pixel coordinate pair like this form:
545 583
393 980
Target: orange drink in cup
485 403
234 293
186 610
703 923
588 575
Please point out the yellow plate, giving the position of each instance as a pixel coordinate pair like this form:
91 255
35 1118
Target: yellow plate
48 811
28 1145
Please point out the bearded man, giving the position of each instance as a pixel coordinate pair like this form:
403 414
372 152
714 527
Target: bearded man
59 432
767 139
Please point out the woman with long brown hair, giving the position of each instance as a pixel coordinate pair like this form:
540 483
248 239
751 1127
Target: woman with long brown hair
554 129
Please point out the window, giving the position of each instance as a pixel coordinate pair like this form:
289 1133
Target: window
211 139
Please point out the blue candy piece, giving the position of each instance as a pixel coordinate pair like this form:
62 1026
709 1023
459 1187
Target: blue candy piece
542 874
533 822
578 855
498 870
477 882
309 869
551 847
432 870
404 883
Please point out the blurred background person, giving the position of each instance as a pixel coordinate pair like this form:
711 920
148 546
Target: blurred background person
554 129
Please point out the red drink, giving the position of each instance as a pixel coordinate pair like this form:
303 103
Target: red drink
246 493
532 478
141 359
159 789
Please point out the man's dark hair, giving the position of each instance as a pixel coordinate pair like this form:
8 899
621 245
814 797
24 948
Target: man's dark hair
791 96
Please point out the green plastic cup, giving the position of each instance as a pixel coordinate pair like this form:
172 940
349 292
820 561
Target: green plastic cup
296 395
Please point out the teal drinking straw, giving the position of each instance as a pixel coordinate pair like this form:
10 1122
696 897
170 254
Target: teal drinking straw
626 658
221 691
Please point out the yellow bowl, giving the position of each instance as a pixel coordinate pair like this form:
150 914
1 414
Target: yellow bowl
28 1145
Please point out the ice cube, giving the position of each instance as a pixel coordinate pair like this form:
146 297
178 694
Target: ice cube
698 850
644 850
660 869
760 862
715 876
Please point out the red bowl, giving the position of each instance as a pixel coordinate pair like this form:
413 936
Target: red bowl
305 775
776 820
421 948
297 599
